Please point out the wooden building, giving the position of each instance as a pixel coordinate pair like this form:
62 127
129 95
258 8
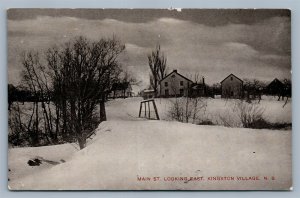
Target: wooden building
148 94
276 87
232 87
174 84
198 89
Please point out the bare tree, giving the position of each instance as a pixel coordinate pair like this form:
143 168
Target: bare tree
287 90
88 70
158 66
186 109
36 80
254 89
75 77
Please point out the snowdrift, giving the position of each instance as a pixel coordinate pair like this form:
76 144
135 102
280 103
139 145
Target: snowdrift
124 154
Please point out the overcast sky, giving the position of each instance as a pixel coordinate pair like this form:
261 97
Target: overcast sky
212 43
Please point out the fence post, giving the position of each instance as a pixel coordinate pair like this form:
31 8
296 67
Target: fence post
140 110
154 105
149 109
145 109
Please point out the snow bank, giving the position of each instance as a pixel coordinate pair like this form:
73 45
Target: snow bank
128 109
123 151
49 155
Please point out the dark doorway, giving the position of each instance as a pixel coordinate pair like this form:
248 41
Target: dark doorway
167 92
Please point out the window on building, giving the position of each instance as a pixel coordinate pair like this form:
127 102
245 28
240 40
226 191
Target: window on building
166 84
181 83
181 92
167 92
231 78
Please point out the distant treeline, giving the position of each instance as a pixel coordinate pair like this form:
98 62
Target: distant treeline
17 94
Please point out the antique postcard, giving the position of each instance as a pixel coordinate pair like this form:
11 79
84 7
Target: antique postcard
149 99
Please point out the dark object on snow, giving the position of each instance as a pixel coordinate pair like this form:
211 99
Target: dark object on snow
35 162
51 162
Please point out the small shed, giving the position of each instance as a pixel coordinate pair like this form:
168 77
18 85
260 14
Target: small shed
198 89
148 94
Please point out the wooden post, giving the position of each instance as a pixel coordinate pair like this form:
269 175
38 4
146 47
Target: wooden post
145 110
140 110
149 109
155 109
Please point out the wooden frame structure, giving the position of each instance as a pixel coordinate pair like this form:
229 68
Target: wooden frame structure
146 103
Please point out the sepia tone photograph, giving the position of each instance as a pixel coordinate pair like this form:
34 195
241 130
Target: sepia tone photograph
149 99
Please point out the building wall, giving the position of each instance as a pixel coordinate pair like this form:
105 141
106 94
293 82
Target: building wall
174 86
197 92
148 95
232 87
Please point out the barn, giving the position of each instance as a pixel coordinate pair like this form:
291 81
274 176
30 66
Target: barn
275 87
174 84
231 87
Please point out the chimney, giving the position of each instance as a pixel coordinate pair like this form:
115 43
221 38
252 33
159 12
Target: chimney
203 80
175 70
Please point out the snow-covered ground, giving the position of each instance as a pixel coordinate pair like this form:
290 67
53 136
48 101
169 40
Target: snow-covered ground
49 155
126 151
274 111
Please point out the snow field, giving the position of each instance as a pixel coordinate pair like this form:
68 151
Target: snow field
126 148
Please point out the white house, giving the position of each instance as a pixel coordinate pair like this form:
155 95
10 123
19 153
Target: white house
174 84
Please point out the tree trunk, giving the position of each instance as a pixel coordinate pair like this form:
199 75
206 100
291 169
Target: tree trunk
155 87
37 117
73 118
102 109
35 133
47 120
81 142
57 127
65 132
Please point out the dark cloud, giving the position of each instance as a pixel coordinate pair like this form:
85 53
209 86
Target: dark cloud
210 17
212 43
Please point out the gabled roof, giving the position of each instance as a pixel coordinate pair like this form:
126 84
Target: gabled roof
234 76
176 73
275 81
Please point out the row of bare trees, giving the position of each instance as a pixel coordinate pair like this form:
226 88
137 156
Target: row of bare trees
72 80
